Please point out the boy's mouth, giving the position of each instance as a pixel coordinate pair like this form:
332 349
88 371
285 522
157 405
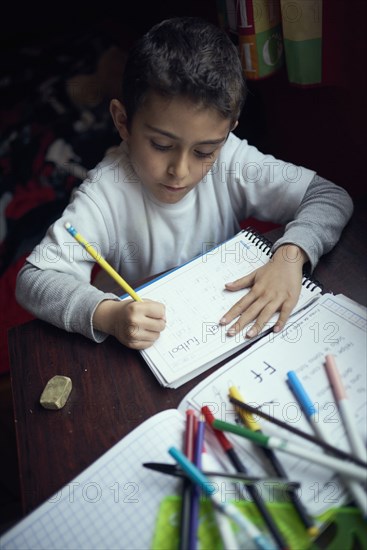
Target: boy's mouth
173 189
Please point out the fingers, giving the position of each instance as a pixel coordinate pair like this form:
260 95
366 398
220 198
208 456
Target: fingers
155 310
239 307
266 314
260 312
244 302
138 339
275 287
255 312
241 283
140 324
284 315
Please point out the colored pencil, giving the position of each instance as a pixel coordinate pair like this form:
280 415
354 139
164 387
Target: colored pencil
308 437
240 467
344 407
278 443
102 262
190 433
278 468
173 470
223 523
310 411
197 477
195 494
186 484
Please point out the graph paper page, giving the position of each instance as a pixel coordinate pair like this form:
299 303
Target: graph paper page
113 503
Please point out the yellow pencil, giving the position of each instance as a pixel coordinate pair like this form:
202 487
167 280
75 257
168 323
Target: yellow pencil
102 262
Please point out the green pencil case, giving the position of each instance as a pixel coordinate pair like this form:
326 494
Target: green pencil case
341 528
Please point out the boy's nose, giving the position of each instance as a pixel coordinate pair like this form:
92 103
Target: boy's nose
179 167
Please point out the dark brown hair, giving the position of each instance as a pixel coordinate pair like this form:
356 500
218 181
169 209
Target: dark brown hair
185 56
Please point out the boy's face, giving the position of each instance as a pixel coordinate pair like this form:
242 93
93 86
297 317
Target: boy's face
173 144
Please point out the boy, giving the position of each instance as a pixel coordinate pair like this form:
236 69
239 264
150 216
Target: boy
180 179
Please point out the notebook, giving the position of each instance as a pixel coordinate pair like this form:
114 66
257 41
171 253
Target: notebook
115 502
195 300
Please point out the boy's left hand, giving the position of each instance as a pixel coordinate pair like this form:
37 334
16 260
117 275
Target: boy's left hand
275 286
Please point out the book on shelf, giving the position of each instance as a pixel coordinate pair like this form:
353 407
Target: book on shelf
117 503
195 299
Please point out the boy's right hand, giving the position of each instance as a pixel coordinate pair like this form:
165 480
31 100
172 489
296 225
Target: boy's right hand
137 325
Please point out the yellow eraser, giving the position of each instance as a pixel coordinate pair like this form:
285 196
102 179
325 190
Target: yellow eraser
56 392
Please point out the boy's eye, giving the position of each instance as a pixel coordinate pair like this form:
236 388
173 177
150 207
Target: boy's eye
159 146
201 154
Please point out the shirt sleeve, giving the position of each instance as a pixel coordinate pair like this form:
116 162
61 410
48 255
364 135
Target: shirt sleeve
59 251
258 184
319 220
60 299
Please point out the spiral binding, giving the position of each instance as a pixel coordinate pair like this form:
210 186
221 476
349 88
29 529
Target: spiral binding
258 240
311 283
265 245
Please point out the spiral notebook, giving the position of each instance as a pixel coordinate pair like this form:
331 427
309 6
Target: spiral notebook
195 299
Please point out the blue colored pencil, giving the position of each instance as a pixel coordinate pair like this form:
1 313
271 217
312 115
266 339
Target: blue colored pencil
261 542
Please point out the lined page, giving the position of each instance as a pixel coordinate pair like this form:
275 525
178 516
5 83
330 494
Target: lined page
195 300
334 325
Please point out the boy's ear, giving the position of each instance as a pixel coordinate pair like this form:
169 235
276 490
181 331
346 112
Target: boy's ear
234 126
119 118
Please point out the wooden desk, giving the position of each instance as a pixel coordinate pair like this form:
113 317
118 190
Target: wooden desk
113 389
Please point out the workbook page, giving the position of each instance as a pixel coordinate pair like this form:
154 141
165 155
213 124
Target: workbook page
195 300
333 325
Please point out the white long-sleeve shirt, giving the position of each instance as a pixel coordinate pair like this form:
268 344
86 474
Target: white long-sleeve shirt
140 236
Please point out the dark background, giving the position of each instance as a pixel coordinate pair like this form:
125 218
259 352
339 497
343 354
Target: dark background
322 128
